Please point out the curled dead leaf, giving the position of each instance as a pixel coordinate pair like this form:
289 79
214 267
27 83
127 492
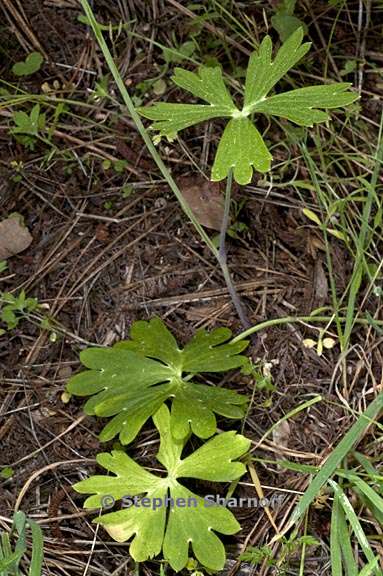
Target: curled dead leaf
281 434
320 284
205 200
14 236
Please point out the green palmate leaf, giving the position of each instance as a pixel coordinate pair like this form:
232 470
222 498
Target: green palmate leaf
242 147
301 106
208 85
134 378
171 118
168 516
263 72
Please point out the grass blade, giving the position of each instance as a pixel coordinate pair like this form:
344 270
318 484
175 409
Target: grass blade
355 524
335 549
37 549
349 562
363 241
9 562
337 455
368 495
369 568
97 30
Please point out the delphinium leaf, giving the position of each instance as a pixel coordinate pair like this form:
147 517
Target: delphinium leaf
171 118
131 380
242 147
172 517
301 105
207 85
263 72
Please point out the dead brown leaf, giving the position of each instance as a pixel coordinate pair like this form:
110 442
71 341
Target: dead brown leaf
281 434
205 199
14 236
102 233
320 284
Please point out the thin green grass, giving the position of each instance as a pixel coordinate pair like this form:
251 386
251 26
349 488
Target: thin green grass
362 239
344 509
11 556
348 442
141 128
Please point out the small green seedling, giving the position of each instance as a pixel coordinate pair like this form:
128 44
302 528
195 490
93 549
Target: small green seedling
289 547
237 228
284 21
256 555
127 190
242 148
28 124
119 166
15 308
27 127
6 473
131 380
29 66
11 556
169 517
180 53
